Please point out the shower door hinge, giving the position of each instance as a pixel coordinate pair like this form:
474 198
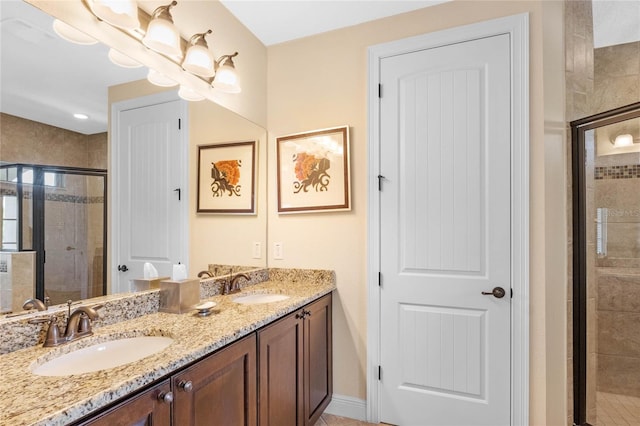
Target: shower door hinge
379 279
379 90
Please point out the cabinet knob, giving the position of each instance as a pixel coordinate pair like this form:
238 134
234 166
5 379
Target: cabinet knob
186 386
166 397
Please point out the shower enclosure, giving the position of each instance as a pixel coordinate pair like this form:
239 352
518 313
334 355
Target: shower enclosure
606 267
58 213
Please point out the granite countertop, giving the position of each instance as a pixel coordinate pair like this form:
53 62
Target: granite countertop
27 399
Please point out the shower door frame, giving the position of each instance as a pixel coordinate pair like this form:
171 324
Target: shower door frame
578 130
38 215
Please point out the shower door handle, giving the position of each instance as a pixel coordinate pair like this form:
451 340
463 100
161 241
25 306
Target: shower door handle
123 268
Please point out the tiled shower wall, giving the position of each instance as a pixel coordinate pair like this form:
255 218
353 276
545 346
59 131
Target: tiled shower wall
617 187
26 141
597 80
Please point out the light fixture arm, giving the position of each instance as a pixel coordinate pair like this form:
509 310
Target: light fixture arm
226 58
164 12
199 39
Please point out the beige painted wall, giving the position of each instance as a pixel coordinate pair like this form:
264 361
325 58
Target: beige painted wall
321 81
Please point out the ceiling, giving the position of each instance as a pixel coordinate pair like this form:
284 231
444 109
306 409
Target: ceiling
26 34
278 21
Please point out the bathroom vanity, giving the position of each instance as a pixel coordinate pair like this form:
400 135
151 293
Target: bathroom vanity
293 358
265 363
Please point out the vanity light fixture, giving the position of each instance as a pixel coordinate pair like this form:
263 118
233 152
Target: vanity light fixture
162 35
122 60
189 95
159 79
199 59
71 34
623 140
226 78
119 13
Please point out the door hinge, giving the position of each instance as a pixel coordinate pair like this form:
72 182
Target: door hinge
380 178
512 293
379 90
379 279
44 256
379 372
179 124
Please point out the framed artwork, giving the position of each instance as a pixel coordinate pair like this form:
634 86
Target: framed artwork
313 171
226 178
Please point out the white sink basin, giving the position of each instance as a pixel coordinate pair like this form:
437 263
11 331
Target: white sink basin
255 299
102 356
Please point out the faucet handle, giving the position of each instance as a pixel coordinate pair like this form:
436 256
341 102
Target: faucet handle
53 332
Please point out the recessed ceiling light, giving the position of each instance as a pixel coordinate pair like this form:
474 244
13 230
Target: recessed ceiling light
81 116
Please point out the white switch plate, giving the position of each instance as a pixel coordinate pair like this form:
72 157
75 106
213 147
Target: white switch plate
257 250
277 251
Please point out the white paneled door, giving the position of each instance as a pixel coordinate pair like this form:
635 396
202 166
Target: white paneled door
445 235
150 191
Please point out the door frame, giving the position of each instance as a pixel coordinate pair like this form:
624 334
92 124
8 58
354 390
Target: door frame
517 26
114 174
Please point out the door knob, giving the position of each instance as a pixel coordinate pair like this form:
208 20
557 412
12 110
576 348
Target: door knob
123 268
497 292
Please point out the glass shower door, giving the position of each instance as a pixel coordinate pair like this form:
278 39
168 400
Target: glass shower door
73 236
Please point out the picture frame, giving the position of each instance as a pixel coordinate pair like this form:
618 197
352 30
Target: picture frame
313 171
226 178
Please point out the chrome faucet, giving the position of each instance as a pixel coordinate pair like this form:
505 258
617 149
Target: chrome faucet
36 303
233 283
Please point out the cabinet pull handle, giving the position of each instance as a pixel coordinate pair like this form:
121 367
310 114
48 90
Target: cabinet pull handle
300 315
166 397
186 386
306 313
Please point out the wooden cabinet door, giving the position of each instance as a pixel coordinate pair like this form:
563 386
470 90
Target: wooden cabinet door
220 389
280 373
146 409
318 362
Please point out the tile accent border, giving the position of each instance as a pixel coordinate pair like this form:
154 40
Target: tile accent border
617 172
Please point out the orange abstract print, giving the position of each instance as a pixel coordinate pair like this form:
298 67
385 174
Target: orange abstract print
311 171
226 176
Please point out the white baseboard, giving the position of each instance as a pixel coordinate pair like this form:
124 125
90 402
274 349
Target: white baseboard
347 406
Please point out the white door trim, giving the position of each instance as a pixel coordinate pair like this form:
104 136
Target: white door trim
114 234
517 27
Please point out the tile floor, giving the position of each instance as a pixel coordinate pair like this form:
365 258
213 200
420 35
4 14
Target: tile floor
615 410
331 420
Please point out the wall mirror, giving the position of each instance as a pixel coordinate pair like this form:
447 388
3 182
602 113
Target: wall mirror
33 135
606 264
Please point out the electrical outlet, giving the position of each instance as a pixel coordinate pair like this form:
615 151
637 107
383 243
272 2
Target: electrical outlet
257 250
277 251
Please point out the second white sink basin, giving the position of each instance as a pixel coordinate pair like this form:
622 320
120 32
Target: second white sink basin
102 356
254 299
